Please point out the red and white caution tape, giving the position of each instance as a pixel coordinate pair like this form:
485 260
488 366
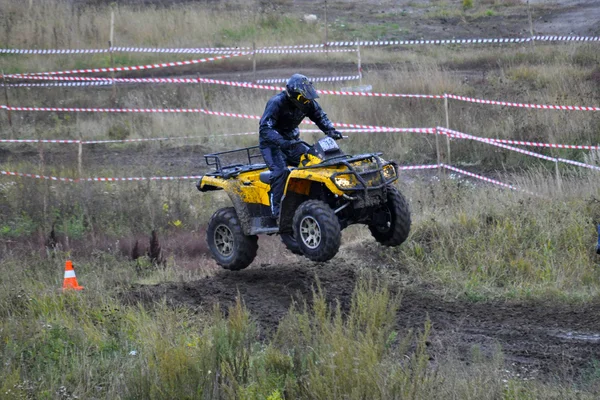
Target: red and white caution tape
566 38
259 85
210 50
461 135
217 82
195 177
73 141
221 50
131 179
132 68
36 176
200 110
329 92
99 179
551 145
523 105
61 84
415 167
318 79
483 178
166 138
61 141
303 51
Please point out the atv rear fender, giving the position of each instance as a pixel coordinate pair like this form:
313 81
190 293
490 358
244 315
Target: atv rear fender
234 189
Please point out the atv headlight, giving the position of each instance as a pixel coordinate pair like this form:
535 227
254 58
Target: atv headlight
343 182
389 171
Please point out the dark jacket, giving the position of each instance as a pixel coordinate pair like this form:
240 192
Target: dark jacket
281 119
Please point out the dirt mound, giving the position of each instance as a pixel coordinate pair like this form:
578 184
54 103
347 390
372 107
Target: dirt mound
538 340
267 291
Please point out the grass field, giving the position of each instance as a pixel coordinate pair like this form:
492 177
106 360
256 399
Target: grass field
133 333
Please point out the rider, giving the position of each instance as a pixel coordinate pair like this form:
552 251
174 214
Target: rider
279 135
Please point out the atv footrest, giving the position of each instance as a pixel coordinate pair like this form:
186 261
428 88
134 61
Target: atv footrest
259 225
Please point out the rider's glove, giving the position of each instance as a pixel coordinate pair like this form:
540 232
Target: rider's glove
334 134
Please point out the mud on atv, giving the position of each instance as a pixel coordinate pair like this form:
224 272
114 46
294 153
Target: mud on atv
327 192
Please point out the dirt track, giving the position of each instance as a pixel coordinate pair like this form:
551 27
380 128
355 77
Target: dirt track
538 340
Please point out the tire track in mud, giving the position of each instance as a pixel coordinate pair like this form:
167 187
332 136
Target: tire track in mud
538 339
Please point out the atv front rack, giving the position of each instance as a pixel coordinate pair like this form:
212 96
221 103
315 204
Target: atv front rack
363 176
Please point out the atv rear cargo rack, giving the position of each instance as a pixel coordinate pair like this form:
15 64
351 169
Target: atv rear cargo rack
226 170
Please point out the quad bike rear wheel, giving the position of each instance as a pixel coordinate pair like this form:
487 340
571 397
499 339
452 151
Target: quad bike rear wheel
230 247
393 228
317 230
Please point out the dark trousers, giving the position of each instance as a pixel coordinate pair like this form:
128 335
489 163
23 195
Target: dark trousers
277 161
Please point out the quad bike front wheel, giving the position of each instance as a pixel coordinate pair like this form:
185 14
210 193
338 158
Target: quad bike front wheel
317 230
230 247
393 222
291 243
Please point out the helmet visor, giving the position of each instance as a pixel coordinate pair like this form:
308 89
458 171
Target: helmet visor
307 91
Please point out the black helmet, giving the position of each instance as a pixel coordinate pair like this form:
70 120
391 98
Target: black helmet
300 90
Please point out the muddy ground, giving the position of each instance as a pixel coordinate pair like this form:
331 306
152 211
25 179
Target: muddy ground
539 340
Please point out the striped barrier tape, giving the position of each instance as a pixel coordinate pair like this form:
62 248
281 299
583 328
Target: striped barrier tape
195 177
108 81
58 84
389 130
61 141
329 92
219 50
460 135
483 178
317 79
132 68
142 178
523 105
217 82
551 145
302 51
202 111
74 141
209 50
171 178
213 50
415 167
100 179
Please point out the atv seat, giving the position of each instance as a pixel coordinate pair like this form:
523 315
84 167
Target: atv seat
265 177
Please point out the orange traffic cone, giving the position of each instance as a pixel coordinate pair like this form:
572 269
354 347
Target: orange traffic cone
70 281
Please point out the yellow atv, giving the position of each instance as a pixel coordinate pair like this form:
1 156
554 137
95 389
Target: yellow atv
327 192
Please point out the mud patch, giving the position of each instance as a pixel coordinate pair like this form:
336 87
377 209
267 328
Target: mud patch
538 340
267 291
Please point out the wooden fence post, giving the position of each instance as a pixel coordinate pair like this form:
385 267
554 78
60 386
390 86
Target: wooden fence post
80 157
359 63
111 42
447 109
254 62
7 101
530 19
203 104
558 179
326 31
437 150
